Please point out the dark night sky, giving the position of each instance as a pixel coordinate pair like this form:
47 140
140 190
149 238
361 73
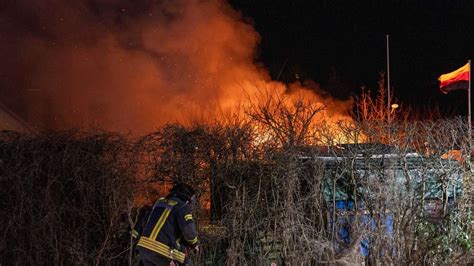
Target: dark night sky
341 44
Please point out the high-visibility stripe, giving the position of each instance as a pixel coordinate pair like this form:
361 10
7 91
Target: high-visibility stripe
161 249
193 241
167 202
164 252
160 223
154 232
135 233
163 217
188 217
167 213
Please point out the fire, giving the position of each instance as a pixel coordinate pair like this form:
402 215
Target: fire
122 67
297 115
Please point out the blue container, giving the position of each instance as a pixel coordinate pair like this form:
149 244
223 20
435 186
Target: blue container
345 219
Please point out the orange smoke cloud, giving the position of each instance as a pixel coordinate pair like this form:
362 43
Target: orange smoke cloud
130 66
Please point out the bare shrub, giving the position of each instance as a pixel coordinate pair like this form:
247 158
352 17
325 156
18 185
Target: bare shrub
281 184
63 197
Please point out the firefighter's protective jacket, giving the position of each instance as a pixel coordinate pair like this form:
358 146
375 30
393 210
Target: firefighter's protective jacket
142 219
170 229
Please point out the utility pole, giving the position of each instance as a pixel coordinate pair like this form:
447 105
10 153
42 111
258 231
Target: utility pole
389 115
388 75
469 111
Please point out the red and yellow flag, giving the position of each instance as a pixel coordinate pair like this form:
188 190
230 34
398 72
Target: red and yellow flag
456 80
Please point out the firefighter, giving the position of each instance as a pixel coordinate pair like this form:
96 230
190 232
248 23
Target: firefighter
170 231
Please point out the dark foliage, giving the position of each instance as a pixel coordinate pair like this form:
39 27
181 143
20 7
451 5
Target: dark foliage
63 198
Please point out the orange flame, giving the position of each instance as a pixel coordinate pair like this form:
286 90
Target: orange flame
132 68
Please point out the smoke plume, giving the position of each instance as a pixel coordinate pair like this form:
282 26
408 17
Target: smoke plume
127 65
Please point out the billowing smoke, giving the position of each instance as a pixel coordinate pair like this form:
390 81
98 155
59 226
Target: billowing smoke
125 65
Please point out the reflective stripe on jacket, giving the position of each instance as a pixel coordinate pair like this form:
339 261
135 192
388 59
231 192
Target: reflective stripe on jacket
169 221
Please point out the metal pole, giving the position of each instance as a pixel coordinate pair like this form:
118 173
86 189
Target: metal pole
388 75
470 140
389 122
469 112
